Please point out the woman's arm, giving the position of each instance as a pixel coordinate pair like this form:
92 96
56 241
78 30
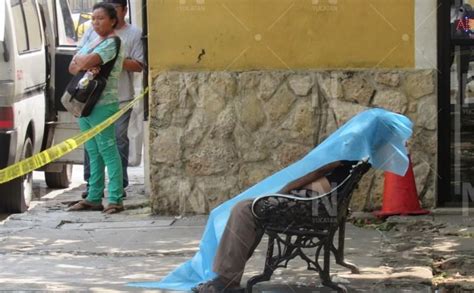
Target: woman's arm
74 67
84 62
308 178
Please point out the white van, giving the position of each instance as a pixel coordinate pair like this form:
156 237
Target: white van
37 41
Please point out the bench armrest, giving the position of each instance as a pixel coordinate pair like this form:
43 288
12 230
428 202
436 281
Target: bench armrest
285 208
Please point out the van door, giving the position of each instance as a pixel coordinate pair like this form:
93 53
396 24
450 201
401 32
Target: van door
65 47
22 96
77 14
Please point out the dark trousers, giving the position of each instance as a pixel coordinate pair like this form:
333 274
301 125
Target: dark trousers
239 240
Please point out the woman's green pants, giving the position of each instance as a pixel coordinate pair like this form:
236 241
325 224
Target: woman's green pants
103 152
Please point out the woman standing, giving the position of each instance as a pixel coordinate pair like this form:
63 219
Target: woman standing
102 149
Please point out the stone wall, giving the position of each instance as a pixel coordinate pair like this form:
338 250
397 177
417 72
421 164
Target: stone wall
214 134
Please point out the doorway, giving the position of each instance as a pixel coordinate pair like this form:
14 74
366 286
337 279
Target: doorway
455 103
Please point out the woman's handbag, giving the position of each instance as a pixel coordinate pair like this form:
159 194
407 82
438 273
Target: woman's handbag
80 100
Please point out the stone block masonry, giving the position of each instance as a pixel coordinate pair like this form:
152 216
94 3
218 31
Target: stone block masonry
214 134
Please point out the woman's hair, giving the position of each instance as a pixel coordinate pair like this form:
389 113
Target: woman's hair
109 10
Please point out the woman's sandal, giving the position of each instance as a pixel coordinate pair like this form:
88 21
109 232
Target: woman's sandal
113 209
84 205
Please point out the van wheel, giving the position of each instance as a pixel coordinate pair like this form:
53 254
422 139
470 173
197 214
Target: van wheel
18 193
60 179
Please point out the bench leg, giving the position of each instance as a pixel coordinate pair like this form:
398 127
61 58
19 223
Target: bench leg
339 252
325 273
267 271
265 276
337 287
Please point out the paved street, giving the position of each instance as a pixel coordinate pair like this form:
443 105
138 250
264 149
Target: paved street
48 248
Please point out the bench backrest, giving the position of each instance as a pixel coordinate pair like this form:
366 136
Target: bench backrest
318 213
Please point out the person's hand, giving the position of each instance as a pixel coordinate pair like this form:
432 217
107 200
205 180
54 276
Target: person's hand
94 70
73 60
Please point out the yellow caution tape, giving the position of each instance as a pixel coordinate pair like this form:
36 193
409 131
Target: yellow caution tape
47 156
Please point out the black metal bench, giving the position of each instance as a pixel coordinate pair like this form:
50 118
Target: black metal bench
293 224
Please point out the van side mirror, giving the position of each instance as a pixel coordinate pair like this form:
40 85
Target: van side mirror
6 53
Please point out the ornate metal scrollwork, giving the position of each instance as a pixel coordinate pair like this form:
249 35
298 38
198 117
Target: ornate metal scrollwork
296 224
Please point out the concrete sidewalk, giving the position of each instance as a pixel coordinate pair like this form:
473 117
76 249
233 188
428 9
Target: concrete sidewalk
50 249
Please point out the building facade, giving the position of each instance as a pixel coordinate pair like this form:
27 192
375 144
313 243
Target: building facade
240 89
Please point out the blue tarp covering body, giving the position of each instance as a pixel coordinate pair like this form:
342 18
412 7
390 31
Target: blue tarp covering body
378 134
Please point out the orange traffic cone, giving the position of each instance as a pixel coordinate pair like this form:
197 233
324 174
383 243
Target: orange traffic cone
400 196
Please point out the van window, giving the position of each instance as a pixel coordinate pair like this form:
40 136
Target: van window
27 25
19 24
67 36
82 14
32 24
75 14
73 20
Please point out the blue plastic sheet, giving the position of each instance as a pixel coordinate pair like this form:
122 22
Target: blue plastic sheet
377 134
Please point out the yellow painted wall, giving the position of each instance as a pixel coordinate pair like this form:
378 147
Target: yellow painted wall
280 34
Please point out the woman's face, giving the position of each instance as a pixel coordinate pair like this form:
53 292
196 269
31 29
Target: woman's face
101 22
